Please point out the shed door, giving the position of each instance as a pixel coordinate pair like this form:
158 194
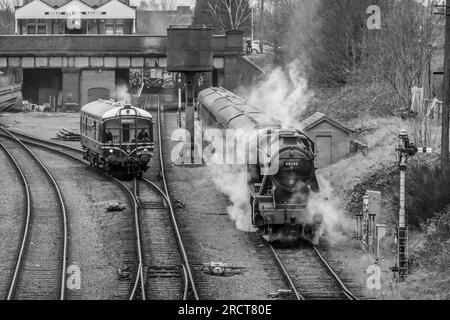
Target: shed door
323 146
98 93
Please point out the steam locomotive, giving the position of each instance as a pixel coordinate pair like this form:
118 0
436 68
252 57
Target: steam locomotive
278 193
116 137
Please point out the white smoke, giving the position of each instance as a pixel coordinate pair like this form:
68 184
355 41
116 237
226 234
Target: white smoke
232 181
283 93
336 226
121 94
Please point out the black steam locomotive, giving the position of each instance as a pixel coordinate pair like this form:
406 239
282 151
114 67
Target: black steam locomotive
278 194
116 137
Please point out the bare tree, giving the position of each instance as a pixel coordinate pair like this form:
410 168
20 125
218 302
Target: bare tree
158 4
399 51
7 16
231 14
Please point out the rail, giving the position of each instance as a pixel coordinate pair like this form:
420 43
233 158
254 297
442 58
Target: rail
172 212
343 287
25 233
290 283
64 220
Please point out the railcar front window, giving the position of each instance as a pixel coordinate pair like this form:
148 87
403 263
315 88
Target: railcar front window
125 133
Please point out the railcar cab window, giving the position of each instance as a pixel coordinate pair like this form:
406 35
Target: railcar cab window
108 136
127 130
143 136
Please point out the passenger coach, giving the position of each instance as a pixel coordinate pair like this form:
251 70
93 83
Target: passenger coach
116 137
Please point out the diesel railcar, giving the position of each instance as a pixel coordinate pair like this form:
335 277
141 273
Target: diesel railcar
278 195
116 137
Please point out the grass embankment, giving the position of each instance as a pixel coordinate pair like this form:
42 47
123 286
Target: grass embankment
372 111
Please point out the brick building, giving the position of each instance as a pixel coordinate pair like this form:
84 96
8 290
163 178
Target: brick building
75 17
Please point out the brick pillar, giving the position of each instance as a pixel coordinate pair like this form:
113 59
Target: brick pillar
235 42
70 87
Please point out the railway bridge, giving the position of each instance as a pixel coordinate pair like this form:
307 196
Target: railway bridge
77 69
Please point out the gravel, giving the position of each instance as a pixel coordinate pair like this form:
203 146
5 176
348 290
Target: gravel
12 215
212 236
96 244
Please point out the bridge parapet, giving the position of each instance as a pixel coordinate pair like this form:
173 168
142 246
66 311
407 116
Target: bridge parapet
100 45
85 45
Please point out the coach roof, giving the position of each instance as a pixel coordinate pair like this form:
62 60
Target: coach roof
105 109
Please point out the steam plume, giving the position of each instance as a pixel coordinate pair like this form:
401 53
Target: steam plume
283 94
232 181
336 226
121 94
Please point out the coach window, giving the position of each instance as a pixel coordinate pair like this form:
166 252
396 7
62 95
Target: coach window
94 129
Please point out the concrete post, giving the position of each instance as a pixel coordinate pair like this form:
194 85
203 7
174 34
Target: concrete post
190 116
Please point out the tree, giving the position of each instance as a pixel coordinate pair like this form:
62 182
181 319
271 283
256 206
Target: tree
324 34
231 14
223 15
7 16
398 52
158 4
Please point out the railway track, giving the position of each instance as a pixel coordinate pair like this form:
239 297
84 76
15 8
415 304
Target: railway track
308 275
168 273
131 274
39 271
163 269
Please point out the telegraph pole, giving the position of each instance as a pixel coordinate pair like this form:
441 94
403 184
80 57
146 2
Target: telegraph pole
261 26
446 91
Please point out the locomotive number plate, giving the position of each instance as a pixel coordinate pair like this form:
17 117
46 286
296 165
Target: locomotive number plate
128 121
291 164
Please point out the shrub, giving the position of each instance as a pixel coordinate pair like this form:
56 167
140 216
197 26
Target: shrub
353 100
434 253
427 190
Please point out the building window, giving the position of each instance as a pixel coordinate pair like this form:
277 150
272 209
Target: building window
109 27
36 26
31 29
119 26
41 29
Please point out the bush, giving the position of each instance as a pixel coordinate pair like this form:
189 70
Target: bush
427 190
352 101
433 254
